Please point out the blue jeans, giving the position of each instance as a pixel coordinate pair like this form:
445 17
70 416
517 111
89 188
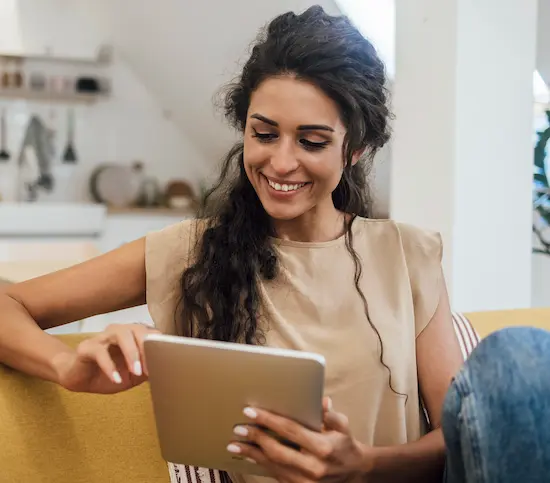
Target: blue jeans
496 417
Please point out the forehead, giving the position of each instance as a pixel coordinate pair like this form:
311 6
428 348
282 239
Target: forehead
291 102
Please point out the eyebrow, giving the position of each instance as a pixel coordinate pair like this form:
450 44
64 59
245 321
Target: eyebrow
303 127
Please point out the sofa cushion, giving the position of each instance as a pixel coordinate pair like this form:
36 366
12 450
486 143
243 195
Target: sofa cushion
489 321
49 434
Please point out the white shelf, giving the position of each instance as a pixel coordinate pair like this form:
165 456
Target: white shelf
48 96
103 57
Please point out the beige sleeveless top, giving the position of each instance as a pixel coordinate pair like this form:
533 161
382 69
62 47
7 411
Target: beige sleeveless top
313 305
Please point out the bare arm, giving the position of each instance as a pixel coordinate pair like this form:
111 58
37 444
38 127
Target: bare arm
438 359
110 282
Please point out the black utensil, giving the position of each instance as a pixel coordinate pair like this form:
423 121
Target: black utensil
69 156
4 153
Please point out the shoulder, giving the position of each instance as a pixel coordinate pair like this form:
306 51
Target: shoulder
420 243
175 240
413 242
175 233
417 253
169 250
168 253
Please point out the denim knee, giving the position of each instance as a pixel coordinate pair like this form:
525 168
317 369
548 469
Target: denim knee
496 417
510 352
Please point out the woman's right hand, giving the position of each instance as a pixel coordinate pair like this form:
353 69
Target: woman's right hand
110 362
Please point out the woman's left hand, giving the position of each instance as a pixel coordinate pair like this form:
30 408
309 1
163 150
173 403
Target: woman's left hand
331 455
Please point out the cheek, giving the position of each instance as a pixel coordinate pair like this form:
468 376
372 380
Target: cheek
328 169
253 156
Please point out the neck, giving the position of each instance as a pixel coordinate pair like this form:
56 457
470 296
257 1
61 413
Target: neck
317 225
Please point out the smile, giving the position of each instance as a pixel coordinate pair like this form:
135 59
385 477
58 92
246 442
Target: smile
284 187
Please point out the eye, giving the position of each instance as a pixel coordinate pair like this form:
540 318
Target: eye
312 146
264 137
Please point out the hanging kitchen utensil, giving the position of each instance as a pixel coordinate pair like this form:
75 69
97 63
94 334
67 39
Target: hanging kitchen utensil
35 158
51 126
4 153
69 156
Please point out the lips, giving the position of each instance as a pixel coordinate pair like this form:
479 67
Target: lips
285 187
282 187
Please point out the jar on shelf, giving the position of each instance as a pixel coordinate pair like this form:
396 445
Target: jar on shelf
37 81
17 76
5 76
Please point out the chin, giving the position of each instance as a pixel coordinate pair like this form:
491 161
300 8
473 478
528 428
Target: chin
283 213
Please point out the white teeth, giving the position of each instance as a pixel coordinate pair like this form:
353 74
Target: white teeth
285 187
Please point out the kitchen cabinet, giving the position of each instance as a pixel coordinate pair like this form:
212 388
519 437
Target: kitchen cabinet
51 220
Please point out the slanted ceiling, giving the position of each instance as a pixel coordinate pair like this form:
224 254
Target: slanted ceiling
184 51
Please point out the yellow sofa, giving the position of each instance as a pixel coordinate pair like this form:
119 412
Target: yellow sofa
49 435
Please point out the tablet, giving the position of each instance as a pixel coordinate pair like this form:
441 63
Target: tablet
199 389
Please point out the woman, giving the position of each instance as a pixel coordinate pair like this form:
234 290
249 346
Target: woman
284 255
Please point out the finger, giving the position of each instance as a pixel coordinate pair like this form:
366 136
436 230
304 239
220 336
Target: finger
140 331
90 351
255 455
335 421
106 364
311 441
279 453
251 454
327 404
127 344
283 472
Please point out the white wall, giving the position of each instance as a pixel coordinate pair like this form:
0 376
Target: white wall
543 40
380 181
494 174
462 158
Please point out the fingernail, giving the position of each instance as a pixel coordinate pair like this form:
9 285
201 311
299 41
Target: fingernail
250 460
117 378
240 431
137 368
250 413
329 404
233 448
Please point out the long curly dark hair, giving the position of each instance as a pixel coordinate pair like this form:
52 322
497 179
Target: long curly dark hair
220 289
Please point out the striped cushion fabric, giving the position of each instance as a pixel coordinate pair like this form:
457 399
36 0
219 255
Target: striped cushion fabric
468 338
192 474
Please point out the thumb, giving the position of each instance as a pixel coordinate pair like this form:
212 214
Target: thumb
334 421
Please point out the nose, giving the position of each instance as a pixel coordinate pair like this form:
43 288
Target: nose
283 158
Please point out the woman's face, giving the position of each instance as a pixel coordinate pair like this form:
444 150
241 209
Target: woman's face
293 147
